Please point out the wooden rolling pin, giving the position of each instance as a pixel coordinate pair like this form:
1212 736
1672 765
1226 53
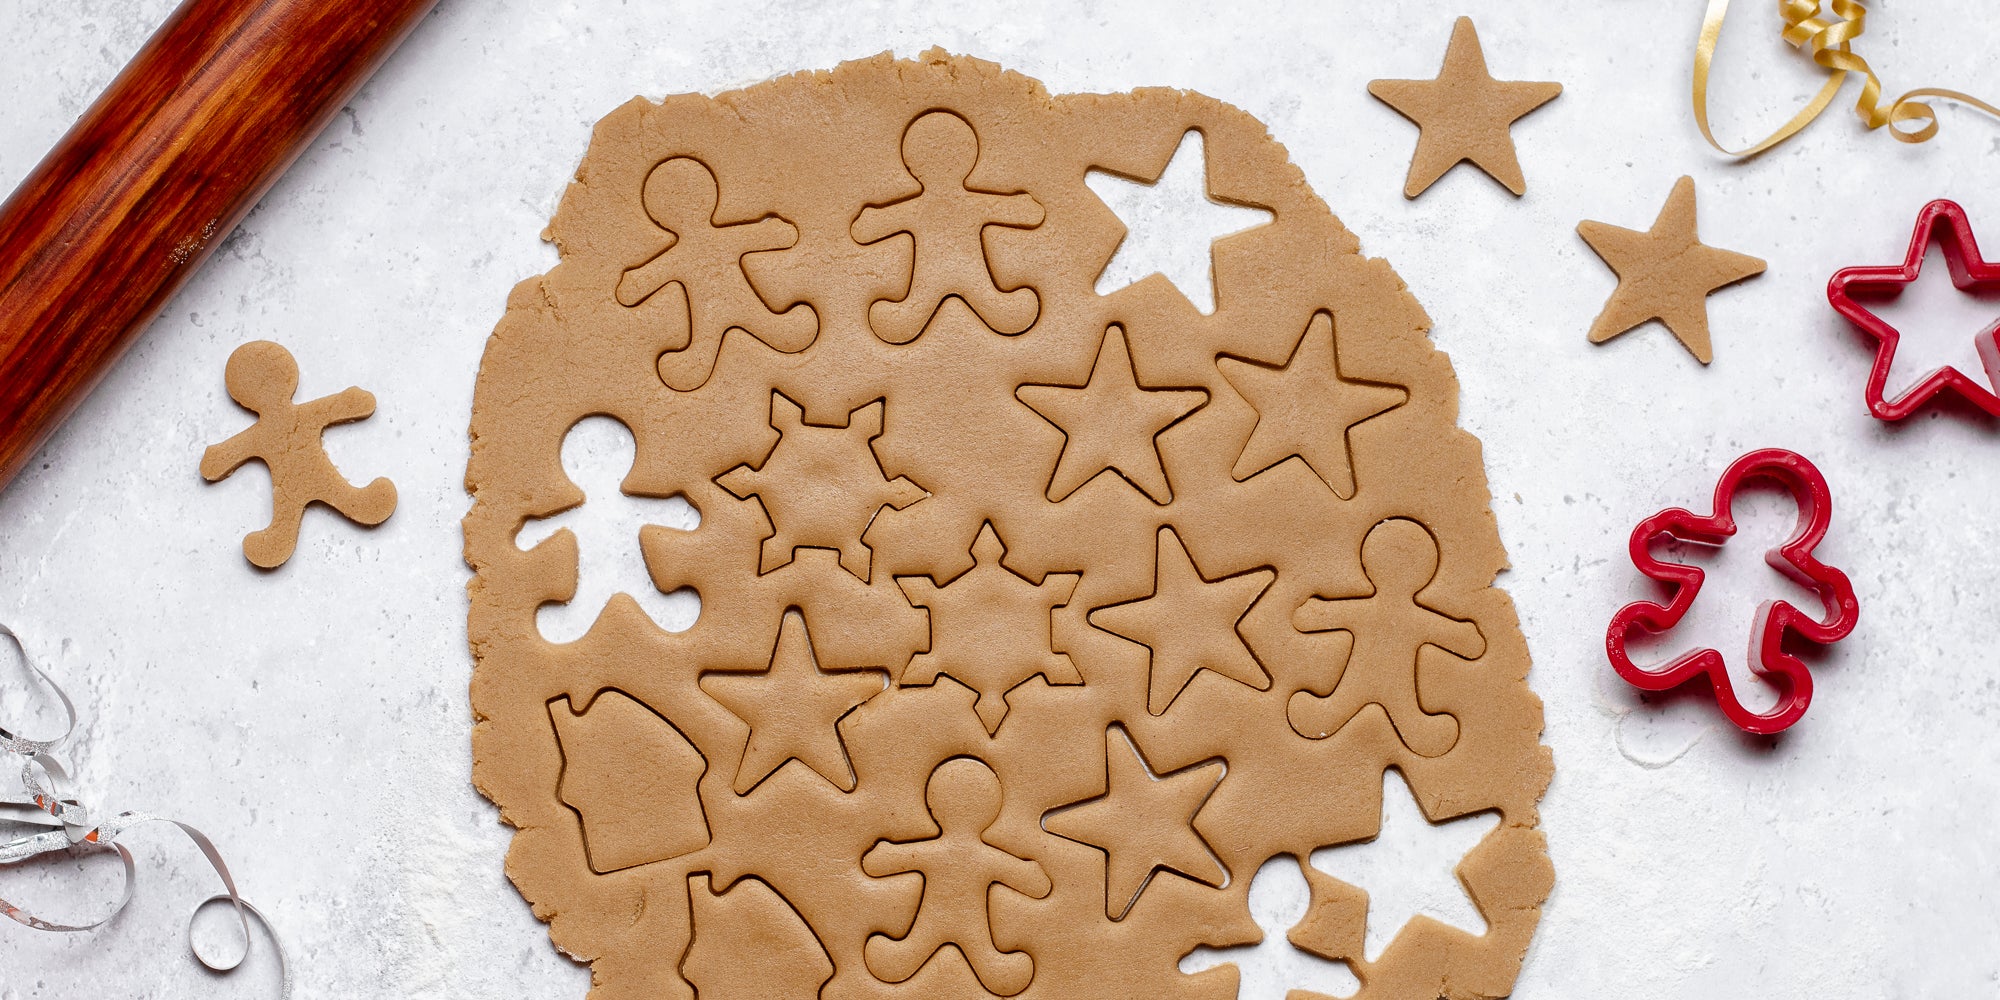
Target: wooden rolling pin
152 178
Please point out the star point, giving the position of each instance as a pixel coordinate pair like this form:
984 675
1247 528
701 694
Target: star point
1665 273
1463 115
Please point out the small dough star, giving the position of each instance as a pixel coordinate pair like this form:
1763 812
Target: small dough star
1171 225
794 710
1665 273
1463 115
1305 409
1189 623
1144 823
1111 423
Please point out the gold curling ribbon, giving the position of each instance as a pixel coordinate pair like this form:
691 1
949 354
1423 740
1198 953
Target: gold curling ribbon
1830 42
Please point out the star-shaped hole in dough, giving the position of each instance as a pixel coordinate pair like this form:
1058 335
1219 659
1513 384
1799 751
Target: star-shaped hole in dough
1463 115
1305 409
794 709
1410 867
1171 225
1665 273
1111 423
1143 822
1189 623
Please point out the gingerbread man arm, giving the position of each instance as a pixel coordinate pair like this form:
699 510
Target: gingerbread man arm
1459 638
879 222
220 460
769 233
1019 211
888 858
1021 875
1323 614
347 405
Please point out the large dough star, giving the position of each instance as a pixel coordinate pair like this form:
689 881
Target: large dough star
1665 273
1189 623
1305 409
1144 823
794 710
1463 115
1110 423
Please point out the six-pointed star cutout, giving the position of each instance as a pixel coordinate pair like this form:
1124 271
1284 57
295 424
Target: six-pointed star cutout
1463 115
1171 225
1143 822
1665 273
1945 222
991 628
1401 871
1189 623
794 709
1110 424
1305 410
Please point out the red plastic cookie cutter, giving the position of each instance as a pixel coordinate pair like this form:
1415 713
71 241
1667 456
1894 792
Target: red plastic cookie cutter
1946 222
1774 620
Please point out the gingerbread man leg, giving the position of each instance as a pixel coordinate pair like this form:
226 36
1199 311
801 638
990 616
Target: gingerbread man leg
894 960
1317 717
1004 973
1006 312
270 546
371 504
899 321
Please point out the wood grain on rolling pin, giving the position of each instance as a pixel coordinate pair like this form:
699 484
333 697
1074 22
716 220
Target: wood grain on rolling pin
145 185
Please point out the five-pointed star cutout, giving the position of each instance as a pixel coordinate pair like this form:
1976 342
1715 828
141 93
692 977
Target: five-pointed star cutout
1463 115
1665 273
794 709
1189 623
1171 225
1410 867
1143 822
1305 409
1109 425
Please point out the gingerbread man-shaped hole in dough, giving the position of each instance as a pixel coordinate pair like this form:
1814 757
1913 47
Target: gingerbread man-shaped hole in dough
947 221
958 867
706 260
262 377
1390 628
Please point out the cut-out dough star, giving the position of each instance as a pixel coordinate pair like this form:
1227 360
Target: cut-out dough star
1189 623
1171 225
794 710
1463 115
1110 424
1143 822
1665 273
991 628
1399 869
1305 409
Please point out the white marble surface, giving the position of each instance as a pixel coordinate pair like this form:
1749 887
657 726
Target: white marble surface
314 720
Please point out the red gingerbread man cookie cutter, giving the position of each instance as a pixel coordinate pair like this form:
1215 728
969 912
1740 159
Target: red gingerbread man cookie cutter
1775 619
1946 222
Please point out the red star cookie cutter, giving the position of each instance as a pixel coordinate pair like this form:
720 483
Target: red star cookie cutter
1946 222
1775 619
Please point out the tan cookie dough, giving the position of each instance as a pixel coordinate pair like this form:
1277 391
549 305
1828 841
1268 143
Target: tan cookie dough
1033 621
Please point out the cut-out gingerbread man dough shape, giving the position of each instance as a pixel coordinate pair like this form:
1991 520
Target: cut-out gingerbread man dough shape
1390 629
706 260
959 868
946 221
262 378
1073 554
